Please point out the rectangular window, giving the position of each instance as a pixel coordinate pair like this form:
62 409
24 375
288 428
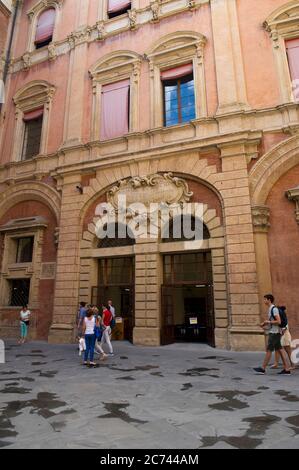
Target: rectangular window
33 132
19 292
24 250
45 28
118 7
115 110
188 268
179 97
292 47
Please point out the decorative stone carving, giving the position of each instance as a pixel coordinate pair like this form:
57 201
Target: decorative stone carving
293 195
261 219
26 61
155 7
52 52
101 30
157 188
133 19
191 4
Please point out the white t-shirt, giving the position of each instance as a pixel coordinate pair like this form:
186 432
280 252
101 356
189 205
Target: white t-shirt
25 315
112 310
90 324
274 328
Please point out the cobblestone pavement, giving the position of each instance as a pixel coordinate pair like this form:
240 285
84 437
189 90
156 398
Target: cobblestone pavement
184 396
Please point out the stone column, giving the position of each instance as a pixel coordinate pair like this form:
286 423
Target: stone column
147 293
242 282
68 264
261 225
231 85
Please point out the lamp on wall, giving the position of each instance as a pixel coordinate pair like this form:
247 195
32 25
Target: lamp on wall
79 189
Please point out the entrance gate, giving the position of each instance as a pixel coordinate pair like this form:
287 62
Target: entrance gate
187 299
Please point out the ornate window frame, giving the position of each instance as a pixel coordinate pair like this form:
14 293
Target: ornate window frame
103 9
36 94
282 25
119 65
171 51
12 270
33 16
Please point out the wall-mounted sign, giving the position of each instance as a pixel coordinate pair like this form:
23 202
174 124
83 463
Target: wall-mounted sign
193 321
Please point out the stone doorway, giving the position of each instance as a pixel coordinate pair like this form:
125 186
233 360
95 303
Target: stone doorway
187 298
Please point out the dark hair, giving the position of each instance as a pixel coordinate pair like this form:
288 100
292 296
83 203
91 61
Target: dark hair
269 297
82 304
283 308
25 306
89 313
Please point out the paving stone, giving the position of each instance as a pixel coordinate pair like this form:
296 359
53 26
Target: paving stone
180 396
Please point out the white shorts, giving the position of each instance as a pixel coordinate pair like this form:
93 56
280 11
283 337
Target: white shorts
286 339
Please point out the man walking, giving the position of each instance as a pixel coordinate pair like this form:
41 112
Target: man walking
274 342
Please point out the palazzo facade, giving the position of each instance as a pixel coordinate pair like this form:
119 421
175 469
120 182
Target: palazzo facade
159 100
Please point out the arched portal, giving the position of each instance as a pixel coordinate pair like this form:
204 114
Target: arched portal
146 255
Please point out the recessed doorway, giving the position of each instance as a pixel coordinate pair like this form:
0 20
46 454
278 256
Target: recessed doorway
187 299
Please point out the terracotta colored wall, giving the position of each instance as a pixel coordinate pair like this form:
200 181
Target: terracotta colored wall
260 68
284 247
54 73
46 287
141 41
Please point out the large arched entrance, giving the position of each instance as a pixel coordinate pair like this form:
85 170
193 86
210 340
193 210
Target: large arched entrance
166 289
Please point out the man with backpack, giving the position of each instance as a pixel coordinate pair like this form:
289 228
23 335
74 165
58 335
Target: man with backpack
286 339
275 322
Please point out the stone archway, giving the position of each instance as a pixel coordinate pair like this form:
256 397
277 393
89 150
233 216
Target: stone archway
28 214
35 192
270 188
148 254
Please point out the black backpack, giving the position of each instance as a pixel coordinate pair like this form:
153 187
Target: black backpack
283 317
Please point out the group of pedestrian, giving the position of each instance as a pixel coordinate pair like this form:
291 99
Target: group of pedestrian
279 338
95 331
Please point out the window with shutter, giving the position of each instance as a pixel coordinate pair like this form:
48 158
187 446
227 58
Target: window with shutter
118 7
32 133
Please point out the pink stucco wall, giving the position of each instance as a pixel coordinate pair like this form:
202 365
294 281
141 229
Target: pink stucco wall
260 69
259 62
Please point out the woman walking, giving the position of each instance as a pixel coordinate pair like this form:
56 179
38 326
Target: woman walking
24 323
106 325
89 324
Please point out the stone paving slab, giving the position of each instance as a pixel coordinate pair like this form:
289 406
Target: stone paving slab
185 396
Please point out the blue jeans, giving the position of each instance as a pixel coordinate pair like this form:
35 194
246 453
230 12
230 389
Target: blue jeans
24 330
90 341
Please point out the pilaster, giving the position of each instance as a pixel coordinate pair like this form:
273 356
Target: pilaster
232 95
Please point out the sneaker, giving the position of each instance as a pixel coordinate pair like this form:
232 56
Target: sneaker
284 372
111 354
259 370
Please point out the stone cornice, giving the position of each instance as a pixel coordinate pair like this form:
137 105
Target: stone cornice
199 136
102 30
